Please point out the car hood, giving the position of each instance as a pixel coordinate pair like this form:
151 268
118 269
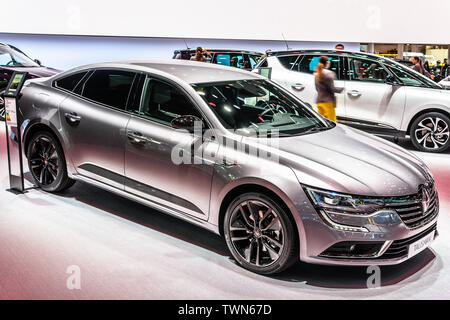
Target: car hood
36 72
348 160
445 83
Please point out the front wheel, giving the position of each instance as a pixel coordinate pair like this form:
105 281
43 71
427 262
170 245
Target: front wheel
47 163
260 234
431 132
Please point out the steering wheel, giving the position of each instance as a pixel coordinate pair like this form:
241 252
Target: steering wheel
272 107
10 63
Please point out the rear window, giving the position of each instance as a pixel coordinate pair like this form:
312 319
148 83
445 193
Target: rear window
309 64
70 82
109 87
289 62
230 59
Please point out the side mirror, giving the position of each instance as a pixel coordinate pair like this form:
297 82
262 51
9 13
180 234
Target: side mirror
186 122
38 62
392 81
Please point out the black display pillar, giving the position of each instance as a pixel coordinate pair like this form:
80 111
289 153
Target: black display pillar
13 122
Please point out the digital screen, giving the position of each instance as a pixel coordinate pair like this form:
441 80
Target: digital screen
15 82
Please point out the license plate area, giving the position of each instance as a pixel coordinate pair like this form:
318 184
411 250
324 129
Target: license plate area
421 244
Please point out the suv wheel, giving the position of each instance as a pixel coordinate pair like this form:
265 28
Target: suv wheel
431 132
47 163
260 234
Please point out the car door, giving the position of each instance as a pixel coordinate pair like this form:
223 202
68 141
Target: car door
302 79
94 123
150 171
373 101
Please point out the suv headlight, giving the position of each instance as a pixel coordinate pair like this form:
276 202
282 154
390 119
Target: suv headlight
333 202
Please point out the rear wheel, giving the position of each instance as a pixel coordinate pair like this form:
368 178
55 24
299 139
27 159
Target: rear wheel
260 234
47 163
431 132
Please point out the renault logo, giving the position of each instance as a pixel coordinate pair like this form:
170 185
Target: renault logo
426 199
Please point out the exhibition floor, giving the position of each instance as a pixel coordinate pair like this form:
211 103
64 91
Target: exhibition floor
128 251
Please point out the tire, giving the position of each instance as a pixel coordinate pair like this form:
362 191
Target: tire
431 132
266 247
47 163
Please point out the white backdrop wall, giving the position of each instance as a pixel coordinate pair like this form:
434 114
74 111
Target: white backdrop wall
405 21
64 52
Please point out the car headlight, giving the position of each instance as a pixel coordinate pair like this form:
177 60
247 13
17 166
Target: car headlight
334 202
329 203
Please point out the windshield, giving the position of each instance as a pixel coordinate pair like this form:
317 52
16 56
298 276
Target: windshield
408 76
12 58
257 105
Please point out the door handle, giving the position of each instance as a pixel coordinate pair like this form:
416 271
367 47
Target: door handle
136 137
354 93
72 118
298 87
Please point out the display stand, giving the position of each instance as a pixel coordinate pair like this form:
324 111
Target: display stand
13 121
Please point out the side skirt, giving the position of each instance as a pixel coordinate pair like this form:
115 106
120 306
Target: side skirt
178 214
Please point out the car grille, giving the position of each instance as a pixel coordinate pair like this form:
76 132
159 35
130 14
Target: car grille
399 248
411 211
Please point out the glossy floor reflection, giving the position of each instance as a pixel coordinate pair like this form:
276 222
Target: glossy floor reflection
128 251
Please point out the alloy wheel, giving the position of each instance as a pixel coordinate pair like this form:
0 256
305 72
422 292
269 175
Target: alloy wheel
257 233
44 161
432 133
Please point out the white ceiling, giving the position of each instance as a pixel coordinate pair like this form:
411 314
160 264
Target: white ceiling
324 20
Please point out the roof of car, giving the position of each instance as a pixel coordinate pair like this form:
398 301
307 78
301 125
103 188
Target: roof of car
192 50
320 51
185 70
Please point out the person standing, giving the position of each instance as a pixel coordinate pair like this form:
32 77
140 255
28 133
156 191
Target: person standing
326 98
419 67
444 69
201 55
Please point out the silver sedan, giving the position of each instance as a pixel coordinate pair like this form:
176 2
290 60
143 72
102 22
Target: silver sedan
234 153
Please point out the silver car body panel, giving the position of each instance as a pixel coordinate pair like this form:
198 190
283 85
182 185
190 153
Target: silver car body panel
341 159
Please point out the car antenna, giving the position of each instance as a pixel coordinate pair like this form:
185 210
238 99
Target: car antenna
287 45
187 47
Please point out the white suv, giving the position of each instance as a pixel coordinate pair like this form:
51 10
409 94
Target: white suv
381 96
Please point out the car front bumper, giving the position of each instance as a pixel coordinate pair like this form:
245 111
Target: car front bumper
388 236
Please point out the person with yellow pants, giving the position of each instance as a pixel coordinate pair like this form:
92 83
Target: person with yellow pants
328 110
326 99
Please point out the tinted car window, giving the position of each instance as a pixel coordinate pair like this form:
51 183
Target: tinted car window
309 64
367 70
110 87
254 59
163 102
70 82
263 64
12 58
230 59
289 62
406 78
